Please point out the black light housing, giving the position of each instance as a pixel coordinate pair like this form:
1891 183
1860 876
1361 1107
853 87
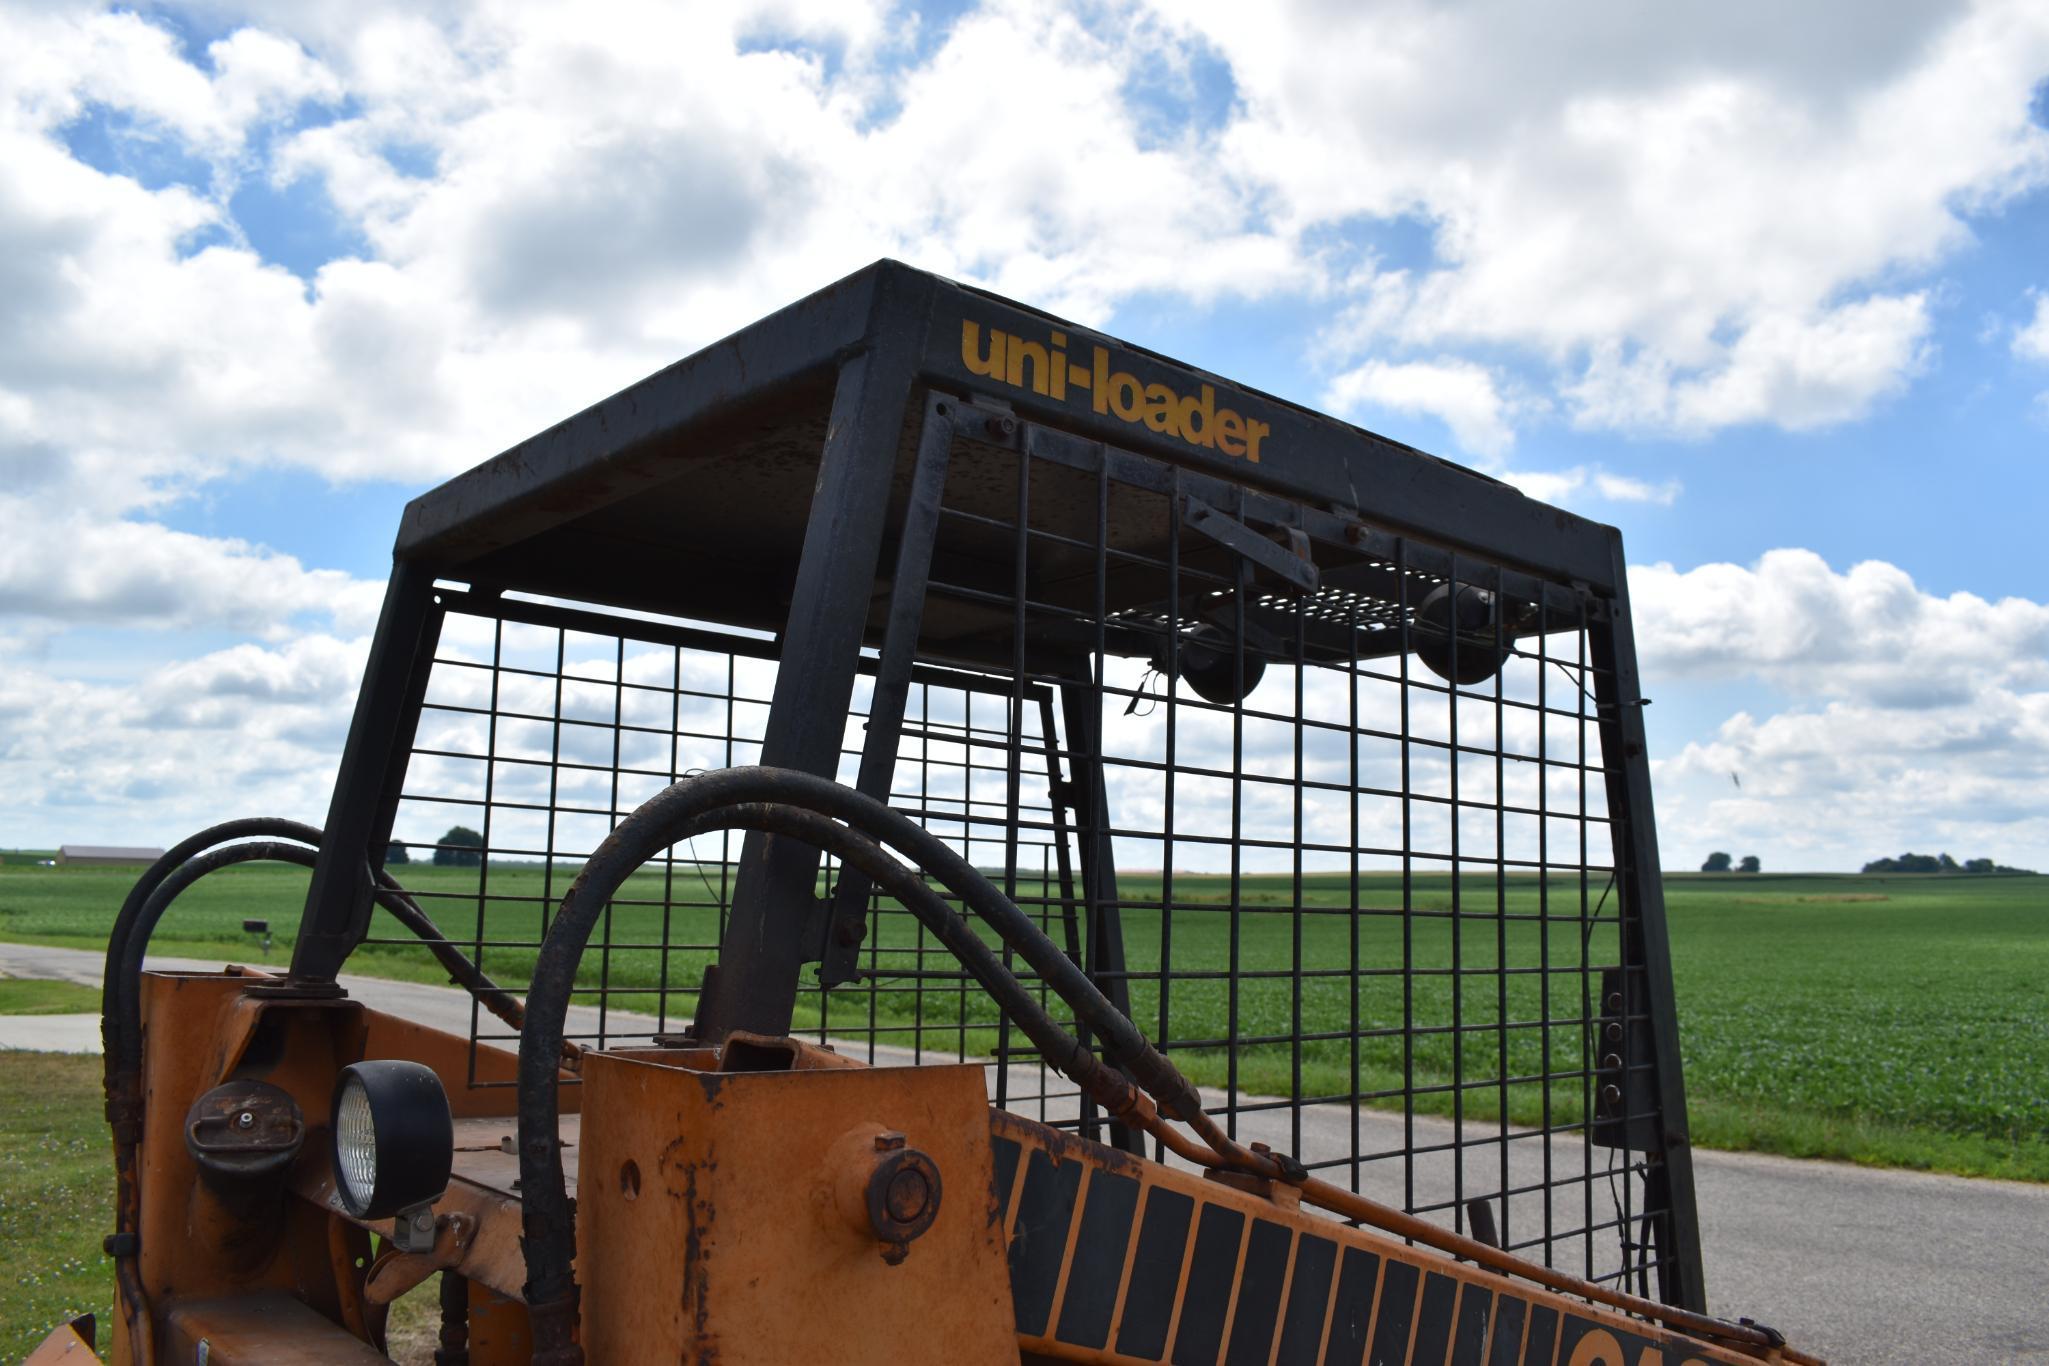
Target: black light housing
1471 618
1209 664
393 1138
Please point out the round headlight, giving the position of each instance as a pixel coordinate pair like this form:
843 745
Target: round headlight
394 1140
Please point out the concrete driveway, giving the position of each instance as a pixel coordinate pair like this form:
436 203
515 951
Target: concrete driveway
1856 1264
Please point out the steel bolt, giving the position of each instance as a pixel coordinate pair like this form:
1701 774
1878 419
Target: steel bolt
245 1120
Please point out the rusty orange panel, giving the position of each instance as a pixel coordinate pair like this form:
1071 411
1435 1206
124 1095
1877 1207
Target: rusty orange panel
64 1347
196 1029
499 1332
450 1055
261 1330
720 1217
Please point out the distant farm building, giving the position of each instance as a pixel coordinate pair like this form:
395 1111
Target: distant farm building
105 855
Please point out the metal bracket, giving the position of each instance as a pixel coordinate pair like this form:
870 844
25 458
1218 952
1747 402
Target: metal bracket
1293 565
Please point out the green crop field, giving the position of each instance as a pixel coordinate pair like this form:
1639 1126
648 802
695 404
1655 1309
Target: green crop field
1901 1020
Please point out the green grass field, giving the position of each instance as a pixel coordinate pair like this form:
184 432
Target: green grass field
56 1197
1900 1020
30 996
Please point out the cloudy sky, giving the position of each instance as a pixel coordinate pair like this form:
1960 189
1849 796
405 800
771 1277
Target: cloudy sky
1768 288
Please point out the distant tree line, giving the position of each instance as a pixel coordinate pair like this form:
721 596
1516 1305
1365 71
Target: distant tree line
1938 863
1719 862
461 847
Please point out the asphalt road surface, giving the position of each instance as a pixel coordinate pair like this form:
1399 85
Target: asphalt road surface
1854 1264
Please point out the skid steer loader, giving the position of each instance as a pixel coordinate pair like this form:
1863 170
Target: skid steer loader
960 840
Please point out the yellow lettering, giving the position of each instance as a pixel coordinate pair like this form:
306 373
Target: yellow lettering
1159 409
1230 432
970 344
1598 1348
1048 370
1127 396
1195 433
1016 352
1253 432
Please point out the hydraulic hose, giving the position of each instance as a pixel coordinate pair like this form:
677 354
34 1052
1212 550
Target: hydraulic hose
146 886
387 893
809 808
123 1076
687 808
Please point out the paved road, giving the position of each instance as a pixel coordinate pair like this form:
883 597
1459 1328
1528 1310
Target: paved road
1855 1264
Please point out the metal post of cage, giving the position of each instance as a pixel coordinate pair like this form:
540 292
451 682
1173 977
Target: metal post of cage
848 921
1646 944
775 908
1104 959
366 788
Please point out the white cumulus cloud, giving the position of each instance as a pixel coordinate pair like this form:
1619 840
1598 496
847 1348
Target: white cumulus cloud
1909 719
1459 393
71 569
1699 224
2031 341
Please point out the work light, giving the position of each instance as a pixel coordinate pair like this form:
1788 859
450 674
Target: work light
394 1139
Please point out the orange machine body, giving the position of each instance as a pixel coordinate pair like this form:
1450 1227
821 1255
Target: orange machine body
719 1219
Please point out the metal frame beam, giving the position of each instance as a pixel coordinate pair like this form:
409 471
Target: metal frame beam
366 788
769 935
1646 944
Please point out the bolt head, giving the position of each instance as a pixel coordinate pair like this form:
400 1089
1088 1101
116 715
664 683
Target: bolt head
245 1120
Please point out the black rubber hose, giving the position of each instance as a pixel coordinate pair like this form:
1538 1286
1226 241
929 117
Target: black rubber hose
123 1080
690 807
387 894
454 1348
126 979
145 887
550 1236
1062 1050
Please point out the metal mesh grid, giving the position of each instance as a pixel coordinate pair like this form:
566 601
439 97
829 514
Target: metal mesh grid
1371 912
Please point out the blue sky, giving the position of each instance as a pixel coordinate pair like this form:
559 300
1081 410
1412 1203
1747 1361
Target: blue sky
1767 295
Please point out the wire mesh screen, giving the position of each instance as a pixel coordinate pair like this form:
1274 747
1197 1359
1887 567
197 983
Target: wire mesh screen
1371 910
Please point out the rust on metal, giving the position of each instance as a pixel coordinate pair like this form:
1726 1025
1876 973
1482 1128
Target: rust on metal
761 1183
261 1330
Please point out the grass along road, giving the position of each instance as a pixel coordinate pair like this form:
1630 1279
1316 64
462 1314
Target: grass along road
1897 1020
33 996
